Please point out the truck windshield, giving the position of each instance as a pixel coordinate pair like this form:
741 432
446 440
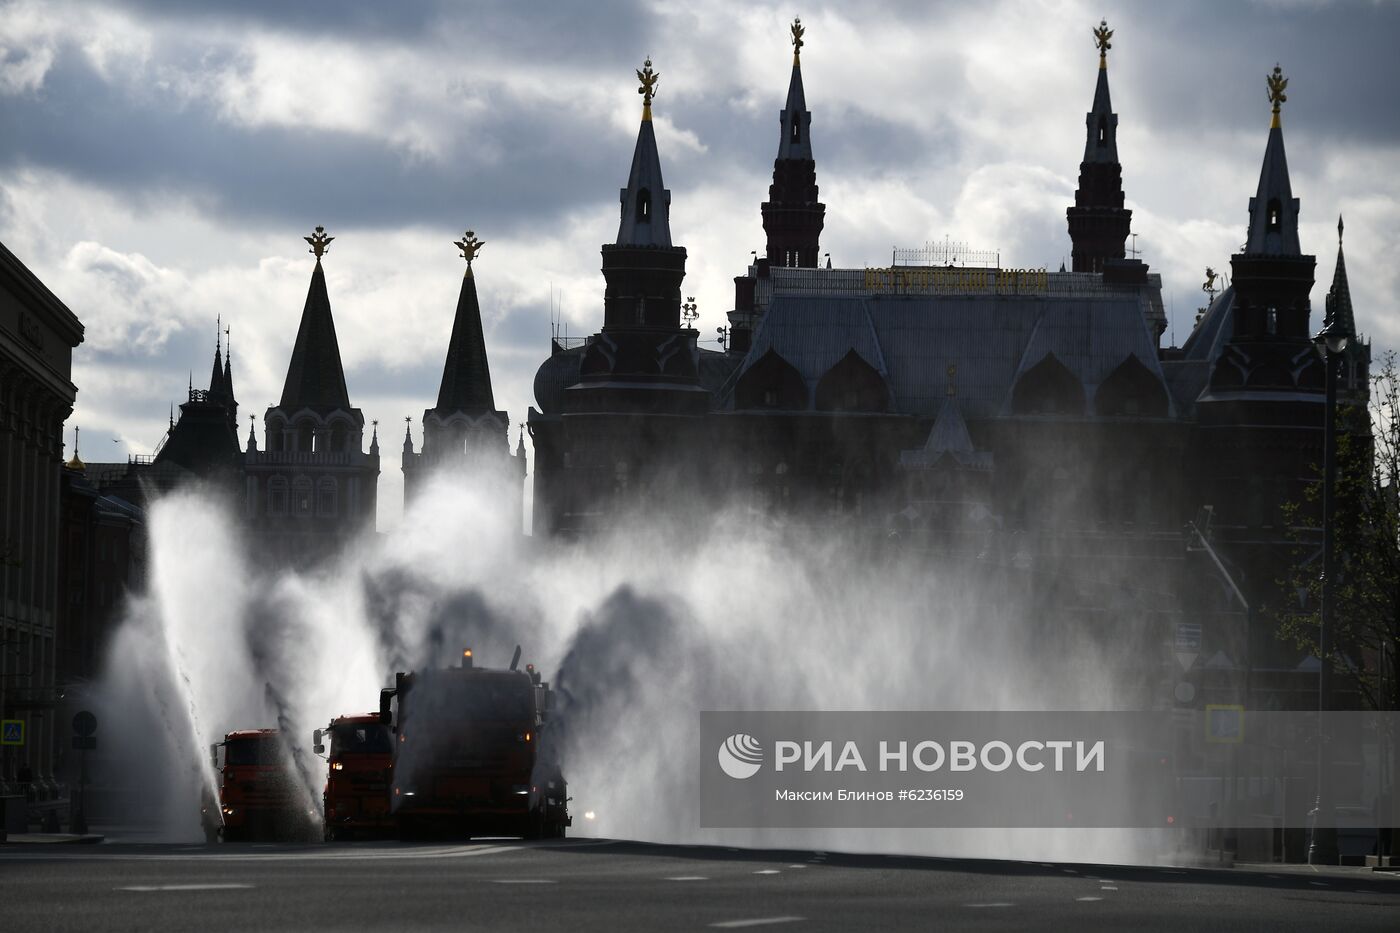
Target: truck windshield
360 739
240 752
475 697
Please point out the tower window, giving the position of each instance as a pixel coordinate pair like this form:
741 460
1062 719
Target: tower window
643 206
796 130
277 496
325 497
1275 215
1103 132
1271 321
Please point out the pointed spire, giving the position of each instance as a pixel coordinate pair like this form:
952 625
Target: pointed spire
793 216
1339 316
466 375
172 416
374 440
646 204
252 434
1101 143
1098 221
315 377
795 119
216 377
408 435
1273 211
228 364
76 462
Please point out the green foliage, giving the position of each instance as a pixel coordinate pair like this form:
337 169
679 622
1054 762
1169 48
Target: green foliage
1366 617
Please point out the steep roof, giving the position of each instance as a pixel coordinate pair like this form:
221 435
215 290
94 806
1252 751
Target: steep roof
795 142
646 204
1101 117
315 377
466 375
1339 295
1270 233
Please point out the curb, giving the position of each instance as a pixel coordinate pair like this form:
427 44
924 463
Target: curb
52 838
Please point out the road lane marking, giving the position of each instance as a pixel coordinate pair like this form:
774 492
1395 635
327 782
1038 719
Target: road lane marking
1087 899
523 881
182 887
689 878
755 922
1108 887
768 871
992 904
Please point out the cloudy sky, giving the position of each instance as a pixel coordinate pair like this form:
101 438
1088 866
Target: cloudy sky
161 161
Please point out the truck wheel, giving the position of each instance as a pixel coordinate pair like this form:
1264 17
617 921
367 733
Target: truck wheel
535 825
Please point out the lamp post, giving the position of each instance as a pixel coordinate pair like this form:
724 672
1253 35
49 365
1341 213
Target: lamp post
1331 341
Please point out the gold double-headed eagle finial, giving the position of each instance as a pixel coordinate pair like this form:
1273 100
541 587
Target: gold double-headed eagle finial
648 88
798 30
1101 36
319 242
1277 85
470 246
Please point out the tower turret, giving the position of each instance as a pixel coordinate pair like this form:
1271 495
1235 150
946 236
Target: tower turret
1098 221
792 215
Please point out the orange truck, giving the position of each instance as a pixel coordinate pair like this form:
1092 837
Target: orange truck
258 795
358 768
472 755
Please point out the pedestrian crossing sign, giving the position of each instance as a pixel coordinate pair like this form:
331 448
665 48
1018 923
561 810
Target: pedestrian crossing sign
11 731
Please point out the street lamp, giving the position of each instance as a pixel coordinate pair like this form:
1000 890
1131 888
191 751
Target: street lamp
1331 342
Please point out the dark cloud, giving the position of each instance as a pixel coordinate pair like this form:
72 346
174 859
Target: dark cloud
1340 60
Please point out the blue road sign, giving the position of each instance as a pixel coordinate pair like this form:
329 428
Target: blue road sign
11 731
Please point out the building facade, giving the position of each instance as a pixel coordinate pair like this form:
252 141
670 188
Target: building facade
1022 417
37 337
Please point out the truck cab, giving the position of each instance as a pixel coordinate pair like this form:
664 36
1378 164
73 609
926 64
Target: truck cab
258 796
356 797
472 754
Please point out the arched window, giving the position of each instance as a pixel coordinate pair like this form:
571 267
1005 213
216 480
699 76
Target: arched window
326 497
274 434
306 434
1103 132
796 129
338 438
277 496
301 497
643 206
1271 321
1275 214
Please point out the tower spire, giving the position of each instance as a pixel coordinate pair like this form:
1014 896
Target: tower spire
792 215
1273 211
315 376
646 204
466 375
217 388
1098 221
1339 314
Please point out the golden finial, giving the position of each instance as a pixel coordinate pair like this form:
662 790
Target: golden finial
952 372
797 32
648 88
1277 85
319 242
470 246
1101 36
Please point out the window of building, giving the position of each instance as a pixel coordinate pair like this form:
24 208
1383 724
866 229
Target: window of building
277 496
1103 132
1274 214
643 206
1271 321
325 497
796 129
301 496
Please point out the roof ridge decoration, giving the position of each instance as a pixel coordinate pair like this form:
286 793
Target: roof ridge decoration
320 243
1339 313
1277 85
470 246
1101 36
649 79
798 30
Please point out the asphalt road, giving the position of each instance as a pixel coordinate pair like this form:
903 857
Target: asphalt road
595 884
